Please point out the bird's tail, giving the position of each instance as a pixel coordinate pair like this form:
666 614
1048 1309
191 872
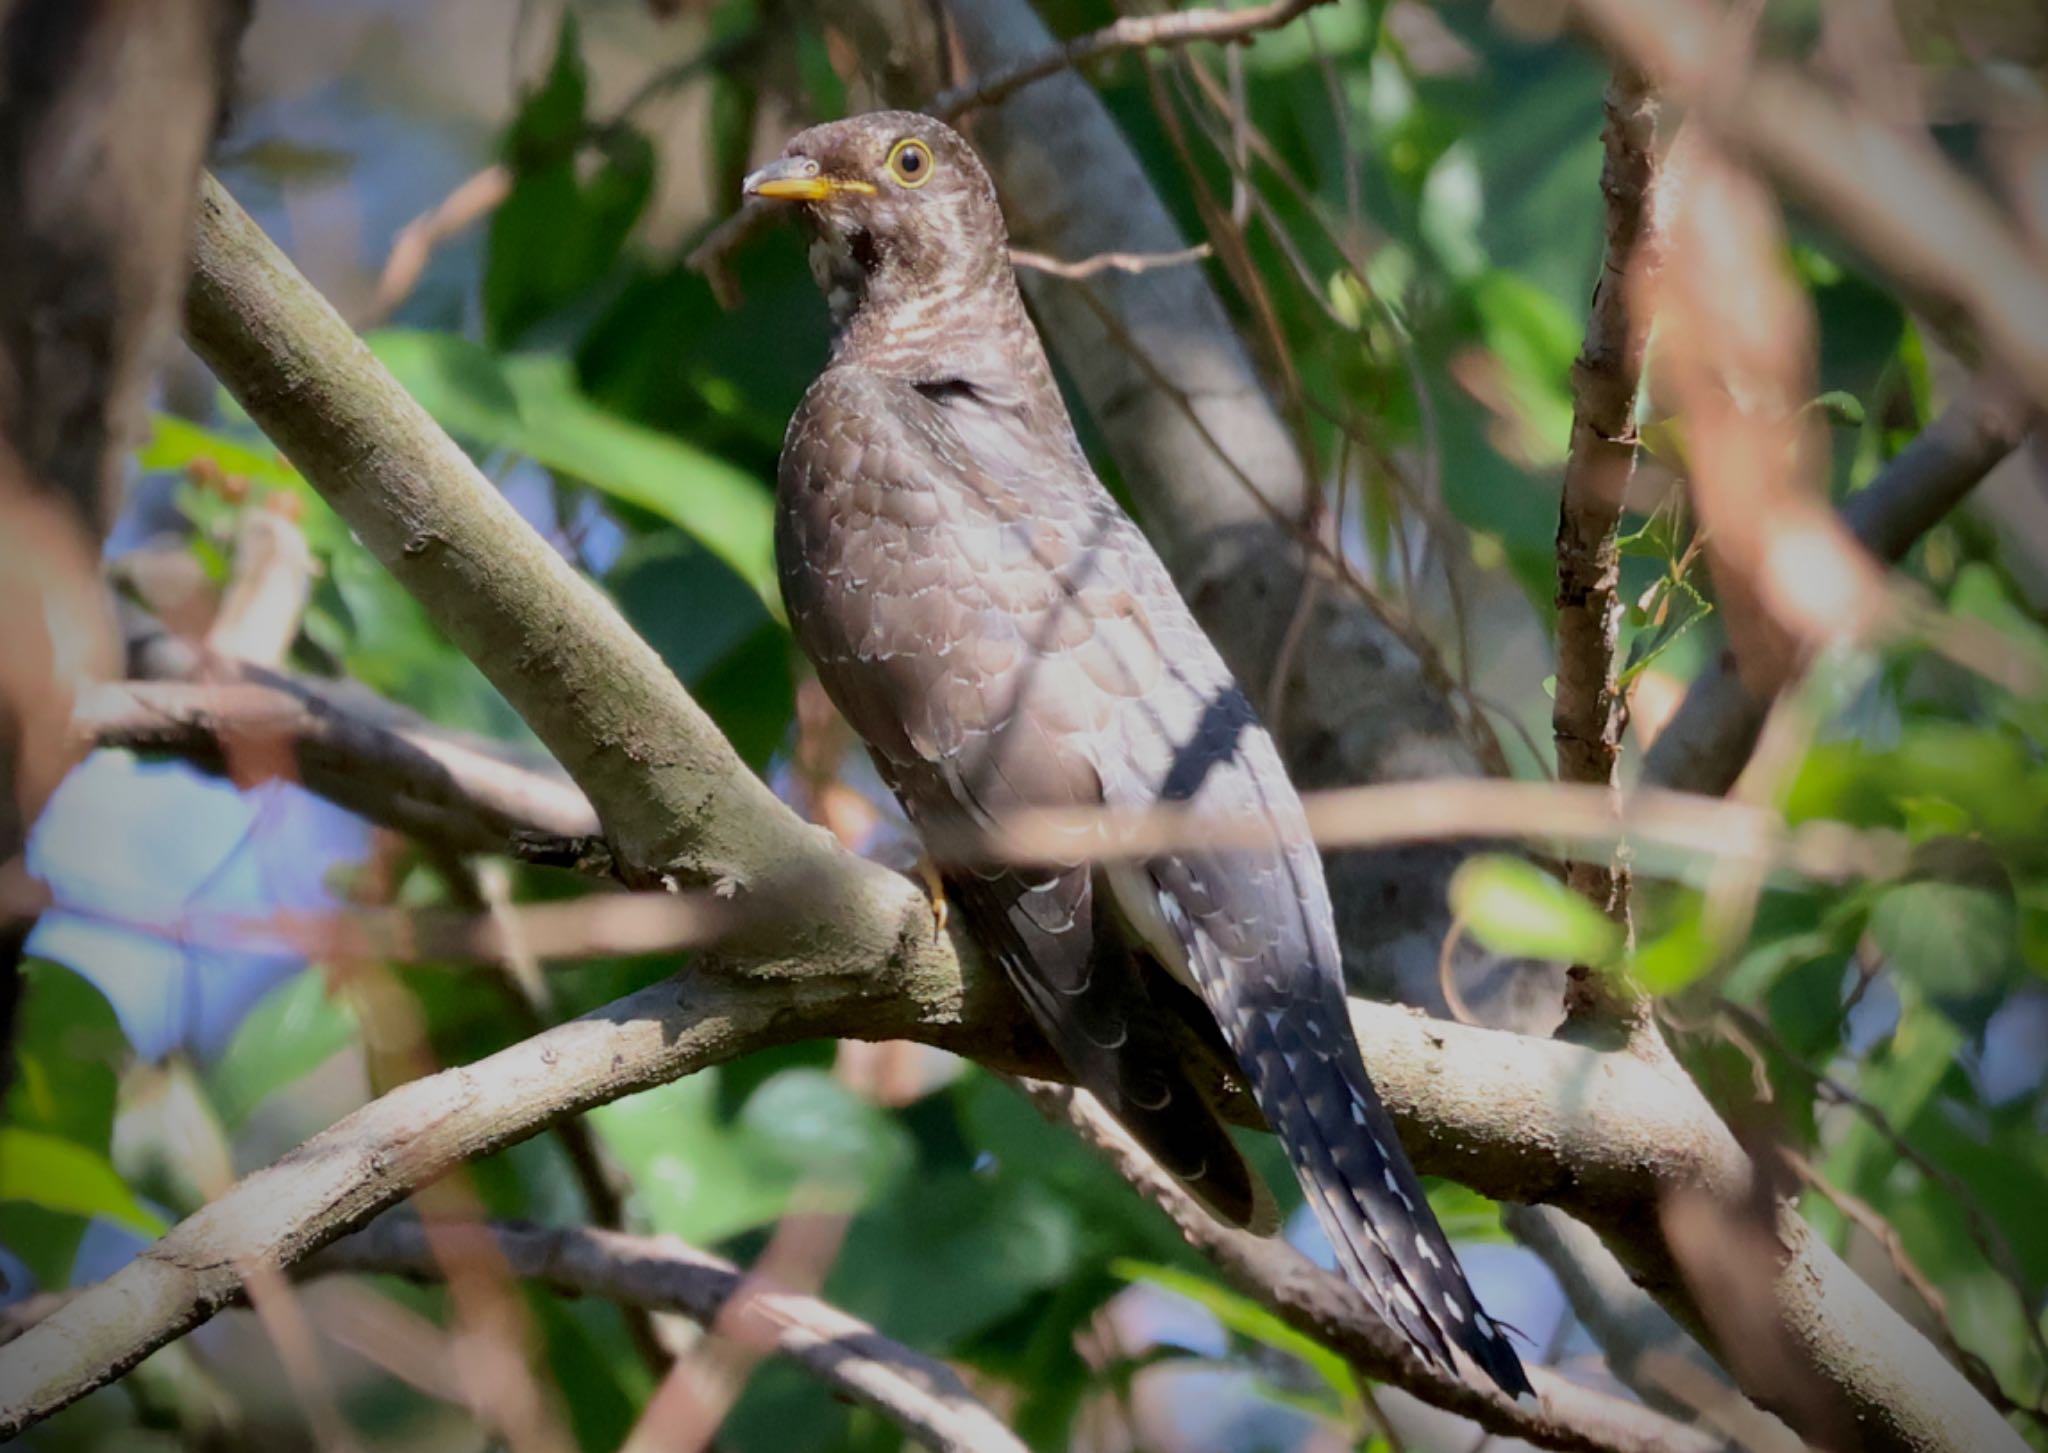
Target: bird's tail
1311 1084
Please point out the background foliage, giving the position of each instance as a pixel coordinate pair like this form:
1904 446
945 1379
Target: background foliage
1426 234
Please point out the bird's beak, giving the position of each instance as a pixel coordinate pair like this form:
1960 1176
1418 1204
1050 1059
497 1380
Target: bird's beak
798 179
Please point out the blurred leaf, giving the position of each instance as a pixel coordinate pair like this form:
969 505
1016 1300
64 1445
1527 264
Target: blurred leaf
785 1407
1255 1323
559 232
825 1134
703 1178
1535 341
713 631
530 404
1664 440
588 1356
952 1253
1673 958
691 1178
1464 1214
295 1029
1511 906
68 1051
62 1175
1900 1079
1957 941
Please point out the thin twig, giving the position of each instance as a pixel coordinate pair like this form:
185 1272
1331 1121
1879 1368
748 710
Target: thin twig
347 745
916 1393
1133 32
1889 190
1451 809
1590 711
1128 262
475 198
603 925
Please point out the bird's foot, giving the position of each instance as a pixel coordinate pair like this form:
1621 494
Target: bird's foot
935 889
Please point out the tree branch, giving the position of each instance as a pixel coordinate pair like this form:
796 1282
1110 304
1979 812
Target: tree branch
847 953
1590 711
1888 190
1327 1309
1708 741
594 692
347 745
919 1394
1133 32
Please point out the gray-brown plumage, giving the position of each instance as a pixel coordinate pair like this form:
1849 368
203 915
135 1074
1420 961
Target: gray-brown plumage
1004 638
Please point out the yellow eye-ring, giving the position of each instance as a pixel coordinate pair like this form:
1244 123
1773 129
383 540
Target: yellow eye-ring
910 162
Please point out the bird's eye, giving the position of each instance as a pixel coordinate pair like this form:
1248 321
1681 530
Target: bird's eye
910 162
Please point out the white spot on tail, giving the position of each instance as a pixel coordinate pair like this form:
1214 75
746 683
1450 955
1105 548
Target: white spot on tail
1424 1250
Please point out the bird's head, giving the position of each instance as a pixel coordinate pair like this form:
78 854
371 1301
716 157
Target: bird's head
900 212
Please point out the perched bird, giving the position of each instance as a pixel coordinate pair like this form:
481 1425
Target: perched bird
1004 639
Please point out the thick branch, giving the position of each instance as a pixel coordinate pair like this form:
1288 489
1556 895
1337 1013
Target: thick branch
853 956
594 692
1607 1129
1708 741
919 1394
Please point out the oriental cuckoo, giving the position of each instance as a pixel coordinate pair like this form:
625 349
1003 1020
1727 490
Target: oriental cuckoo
1004 639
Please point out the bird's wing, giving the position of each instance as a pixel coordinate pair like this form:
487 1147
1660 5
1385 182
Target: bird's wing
941 631
1251 926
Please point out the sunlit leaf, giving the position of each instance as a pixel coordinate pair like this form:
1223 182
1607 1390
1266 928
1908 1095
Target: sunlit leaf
62 1175
1513 907
296 1028
530 404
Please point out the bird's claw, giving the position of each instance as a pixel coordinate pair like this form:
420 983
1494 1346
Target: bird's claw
935 889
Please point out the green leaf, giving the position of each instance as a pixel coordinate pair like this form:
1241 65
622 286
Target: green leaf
292 1031
68 1052
1957 941
823 1133
703 1178
712 629
530 404
950 1254
68 1049
559 232
691 1178
1534 340
590 1357
1513 907
62 1175
1845 407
